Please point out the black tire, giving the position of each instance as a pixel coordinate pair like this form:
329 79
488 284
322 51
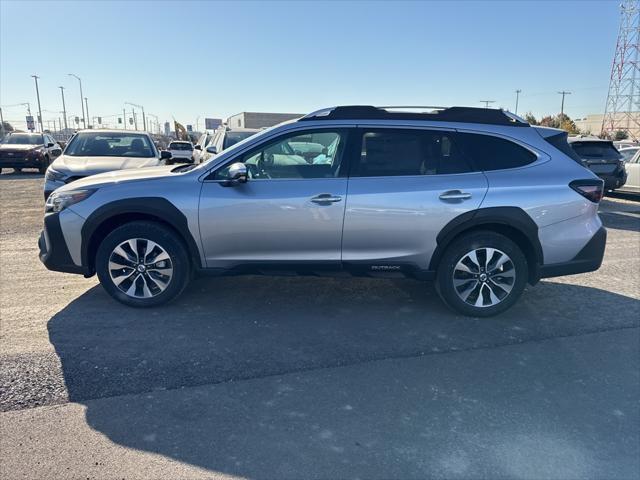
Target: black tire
167 239
43 165
455 253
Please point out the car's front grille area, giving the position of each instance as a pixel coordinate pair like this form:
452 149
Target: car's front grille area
11 156
73 179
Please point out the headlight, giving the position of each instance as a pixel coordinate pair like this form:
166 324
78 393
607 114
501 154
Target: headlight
58 201
53 175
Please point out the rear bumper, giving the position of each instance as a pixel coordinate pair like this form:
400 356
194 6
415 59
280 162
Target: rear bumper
614 180
588 259
54 253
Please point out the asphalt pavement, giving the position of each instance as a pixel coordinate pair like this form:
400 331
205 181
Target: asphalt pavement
315 378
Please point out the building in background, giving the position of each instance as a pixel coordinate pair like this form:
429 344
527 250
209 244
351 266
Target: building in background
592 124
212 123
167 129
259 119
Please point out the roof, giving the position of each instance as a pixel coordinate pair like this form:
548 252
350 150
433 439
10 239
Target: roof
491 116
107 130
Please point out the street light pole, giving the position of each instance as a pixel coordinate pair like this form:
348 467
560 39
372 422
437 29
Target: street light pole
88 117
84 122
124 118
144 120
517 98
35 77
64 108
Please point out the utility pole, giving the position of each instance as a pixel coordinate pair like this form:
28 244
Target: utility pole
124 118
487 102
135 119
88 117
35 77
64 108
563 93
517 98
84 122
144 120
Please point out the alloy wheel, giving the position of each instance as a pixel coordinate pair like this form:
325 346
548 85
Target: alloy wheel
484 277
140 268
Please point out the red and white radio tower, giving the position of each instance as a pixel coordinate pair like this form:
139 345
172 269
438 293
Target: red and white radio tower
622 111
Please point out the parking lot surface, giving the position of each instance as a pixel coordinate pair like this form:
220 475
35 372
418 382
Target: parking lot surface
315 378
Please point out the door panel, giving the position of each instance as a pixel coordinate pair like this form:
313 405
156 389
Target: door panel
298 220
395 220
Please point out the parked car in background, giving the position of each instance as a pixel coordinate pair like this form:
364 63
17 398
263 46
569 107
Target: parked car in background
475 199
28 150
620 144
97 151
601 157
200 145
633 175
628 153
223 138
181 152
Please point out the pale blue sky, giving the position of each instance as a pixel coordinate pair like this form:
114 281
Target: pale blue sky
189 59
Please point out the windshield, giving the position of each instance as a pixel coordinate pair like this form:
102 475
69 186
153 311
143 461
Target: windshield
231 138
596 150
24 139
101 144
180 146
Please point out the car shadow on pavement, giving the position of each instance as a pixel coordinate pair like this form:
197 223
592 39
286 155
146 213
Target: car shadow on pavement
254 328
622 220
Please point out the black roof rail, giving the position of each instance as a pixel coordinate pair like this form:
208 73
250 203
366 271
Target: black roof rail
491 116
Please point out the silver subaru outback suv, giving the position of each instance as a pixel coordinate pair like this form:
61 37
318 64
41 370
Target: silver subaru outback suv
475 199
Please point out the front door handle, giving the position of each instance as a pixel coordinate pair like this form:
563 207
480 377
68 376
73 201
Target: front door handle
326 198
455 195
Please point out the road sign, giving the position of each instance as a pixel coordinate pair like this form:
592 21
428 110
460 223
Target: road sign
189 128
30 125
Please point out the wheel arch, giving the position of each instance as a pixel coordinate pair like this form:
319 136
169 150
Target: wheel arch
512 222
117 213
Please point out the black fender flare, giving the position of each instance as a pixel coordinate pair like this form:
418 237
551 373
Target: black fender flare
513 218
157 207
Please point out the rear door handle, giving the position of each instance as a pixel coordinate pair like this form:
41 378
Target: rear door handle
455 195
326 198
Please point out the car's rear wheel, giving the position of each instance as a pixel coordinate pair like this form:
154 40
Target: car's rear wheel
482 274
143 264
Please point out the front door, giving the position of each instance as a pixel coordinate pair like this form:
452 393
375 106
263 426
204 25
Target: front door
291 209
406 185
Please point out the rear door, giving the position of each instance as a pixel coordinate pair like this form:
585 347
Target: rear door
405 185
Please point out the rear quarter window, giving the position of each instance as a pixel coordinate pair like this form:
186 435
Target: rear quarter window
493 153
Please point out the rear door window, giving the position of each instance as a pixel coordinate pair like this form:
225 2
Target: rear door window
493 153
398 152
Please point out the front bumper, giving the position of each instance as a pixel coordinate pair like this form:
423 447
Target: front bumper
54 253
588 259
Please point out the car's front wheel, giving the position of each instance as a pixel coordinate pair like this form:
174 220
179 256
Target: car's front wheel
482 274
143 264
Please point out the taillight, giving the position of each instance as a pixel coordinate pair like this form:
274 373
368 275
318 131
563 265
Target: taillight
592 190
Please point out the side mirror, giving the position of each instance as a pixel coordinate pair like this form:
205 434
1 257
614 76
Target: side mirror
197 147
49 145
165 155
237 174
212 149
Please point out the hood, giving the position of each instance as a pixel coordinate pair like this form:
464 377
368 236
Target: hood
17 148
118 176
93 165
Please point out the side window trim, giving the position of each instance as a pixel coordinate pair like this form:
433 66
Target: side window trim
345 130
